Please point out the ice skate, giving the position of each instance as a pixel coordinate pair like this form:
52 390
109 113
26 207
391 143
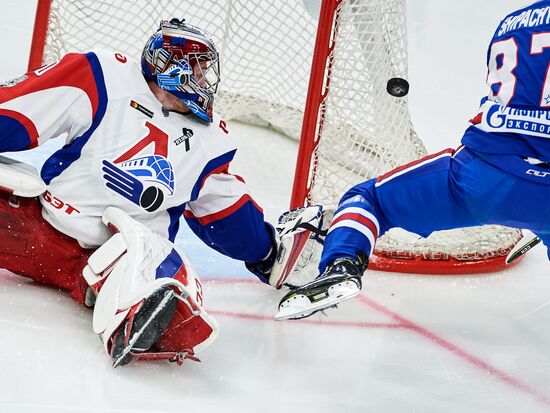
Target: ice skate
340 281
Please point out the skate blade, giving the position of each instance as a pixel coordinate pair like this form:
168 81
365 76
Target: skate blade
300 306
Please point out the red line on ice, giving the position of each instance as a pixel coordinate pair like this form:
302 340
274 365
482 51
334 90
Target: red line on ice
355 324
441 342
400 322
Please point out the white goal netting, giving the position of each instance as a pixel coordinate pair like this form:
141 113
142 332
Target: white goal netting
266 49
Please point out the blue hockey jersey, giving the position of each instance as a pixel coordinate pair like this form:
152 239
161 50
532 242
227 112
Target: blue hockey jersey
514 119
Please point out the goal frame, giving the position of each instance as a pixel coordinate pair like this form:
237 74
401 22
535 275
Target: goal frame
319 86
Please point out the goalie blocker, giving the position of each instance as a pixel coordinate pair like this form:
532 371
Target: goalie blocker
298 242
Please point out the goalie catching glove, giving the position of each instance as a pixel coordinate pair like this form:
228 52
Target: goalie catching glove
299 237
148 298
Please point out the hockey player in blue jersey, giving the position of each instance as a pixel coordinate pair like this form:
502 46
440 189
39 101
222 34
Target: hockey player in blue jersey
499 175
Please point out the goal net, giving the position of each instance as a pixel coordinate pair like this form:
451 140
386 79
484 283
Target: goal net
314 72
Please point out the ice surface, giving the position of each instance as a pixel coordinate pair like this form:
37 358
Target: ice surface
409 343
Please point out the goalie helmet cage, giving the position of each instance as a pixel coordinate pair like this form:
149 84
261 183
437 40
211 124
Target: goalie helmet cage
350 129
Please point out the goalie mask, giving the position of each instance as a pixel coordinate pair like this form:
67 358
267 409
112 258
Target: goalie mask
183 60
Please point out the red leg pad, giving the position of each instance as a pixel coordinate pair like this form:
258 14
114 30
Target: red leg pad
31 247
184 331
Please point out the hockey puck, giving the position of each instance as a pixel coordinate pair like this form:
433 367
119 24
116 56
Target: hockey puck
397 87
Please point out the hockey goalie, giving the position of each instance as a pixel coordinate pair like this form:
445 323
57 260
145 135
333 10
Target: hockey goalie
142 148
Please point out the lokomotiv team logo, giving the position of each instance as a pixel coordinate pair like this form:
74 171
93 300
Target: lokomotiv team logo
144 180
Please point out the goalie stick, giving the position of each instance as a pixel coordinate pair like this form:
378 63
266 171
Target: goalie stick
521 248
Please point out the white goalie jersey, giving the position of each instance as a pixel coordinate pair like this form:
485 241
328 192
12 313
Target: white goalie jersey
122 148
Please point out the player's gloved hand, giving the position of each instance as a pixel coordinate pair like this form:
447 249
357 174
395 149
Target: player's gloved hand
20 179
148 297
299 237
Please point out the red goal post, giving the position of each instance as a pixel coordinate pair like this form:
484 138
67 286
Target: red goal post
349 128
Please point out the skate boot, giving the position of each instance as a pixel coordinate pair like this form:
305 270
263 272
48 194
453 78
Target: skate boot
340 281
